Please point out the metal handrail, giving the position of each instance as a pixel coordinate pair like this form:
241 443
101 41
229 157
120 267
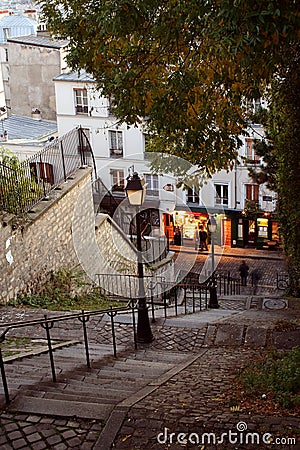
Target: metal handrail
48 322
162 294
224 281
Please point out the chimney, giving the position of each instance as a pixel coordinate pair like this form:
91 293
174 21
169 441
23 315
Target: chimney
36 114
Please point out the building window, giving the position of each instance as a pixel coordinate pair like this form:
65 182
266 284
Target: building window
81 101
117 180
252 192
192 195
152 184
251 156
116 143
221 194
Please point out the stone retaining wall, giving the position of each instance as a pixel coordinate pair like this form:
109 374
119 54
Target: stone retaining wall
41 242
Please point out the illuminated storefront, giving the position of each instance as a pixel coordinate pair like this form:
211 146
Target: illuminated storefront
188 221
233 228
255 232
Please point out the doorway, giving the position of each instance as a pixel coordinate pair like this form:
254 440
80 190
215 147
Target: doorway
250 233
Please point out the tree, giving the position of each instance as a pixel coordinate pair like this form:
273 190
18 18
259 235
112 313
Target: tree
284 128
281 158
184 65
188 67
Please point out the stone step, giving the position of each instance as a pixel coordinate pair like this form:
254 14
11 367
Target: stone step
84 395
98 384
158 355
110 373
64 408
117 382
65 395
81 391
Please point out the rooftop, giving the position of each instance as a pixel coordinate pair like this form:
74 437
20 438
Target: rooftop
16 25
26 128
17 20
40 41
80 75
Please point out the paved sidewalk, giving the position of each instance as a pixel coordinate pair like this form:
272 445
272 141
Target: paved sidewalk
176 384
235 252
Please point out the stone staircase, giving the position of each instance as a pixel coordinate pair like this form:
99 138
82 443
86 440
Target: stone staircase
81 392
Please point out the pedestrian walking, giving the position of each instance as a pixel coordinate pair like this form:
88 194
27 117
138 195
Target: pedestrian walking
256 276
203 239
177 236
200 237
244 270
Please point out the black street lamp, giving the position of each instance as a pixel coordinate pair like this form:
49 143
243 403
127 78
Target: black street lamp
136 191
213 298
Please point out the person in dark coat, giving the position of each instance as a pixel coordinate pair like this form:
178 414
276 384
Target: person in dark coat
203 239
177 236
244 270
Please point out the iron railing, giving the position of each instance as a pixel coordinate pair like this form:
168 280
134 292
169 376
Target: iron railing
48 323
126 286
170 297
159 293
184 298
153 248
23 186
282 280
225 283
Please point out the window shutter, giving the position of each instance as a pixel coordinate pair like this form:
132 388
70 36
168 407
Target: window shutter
255 192
248 191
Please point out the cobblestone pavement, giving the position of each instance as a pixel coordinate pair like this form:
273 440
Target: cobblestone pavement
191 406
36 432
269 263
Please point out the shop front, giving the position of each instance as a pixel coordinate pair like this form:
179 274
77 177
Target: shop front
233 228
259 232
188 221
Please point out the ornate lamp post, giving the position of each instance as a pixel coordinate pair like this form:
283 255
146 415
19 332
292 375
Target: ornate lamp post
213 300
135 191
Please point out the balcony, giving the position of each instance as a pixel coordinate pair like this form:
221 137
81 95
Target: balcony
152 193
221 201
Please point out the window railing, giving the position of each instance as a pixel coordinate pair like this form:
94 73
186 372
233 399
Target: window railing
192 198
221 200
117 188
152 192
252 160
81 109
116 152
